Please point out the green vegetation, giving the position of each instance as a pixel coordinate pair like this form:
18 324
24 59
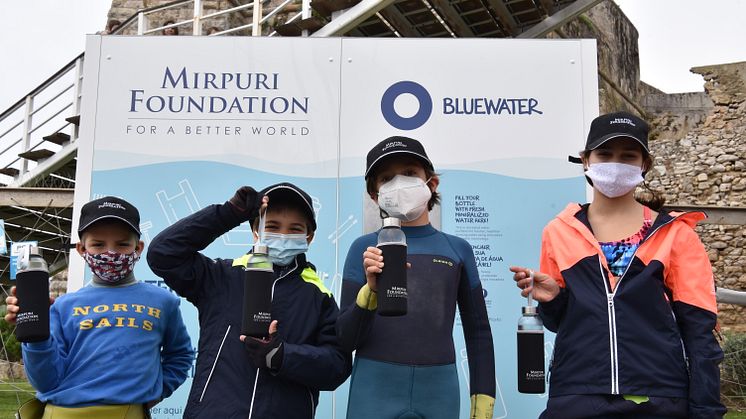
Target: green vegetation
9 340
733 374
11 393
585 20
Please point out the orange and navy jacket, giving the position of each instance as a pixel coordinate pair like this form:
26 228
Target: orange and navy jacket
646 333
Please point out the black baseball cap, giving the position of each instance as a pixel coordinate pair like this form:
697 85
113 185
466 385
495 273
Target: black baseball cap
396 145
290 194
109 207
614 125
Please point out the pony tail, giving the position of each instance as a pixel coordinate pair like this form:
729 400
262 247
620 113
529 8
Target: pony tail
650 198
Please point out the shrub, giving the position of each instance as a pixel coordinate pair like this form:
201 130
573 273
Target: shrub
733 371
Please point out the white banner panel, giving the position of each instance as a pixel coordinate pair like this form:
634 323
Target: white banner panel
173 124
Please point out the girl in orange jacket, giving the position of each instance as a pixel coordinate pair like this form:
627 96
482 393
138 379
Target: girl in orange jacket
628 289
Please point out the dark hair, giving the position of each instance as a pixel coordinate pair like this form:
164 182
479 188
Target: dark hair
372 187
284 206
112 25
649 197
170 22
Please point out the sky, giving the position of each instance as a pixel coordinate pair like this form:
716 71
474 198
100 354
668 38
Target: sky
38 37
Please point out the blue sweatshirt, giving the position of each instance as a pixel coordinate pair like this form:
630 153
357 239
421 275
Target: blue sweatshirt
110 345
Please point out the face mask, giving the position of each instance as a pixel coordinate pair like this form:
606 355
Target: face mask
111 266
404 197
614 179
283 248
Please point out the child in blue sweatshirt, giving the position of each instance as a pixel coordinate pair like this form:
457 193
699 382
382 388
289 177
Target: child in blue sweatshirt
117 346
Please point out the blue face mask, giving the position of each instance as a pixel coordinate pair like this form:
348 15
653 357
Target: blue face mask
283 248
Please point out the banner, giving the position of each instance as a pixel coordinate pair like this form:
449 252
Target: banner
3 244
172 132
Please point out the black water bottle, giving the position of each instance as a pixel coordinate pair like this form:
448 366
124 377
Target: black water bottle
32 290
259 278
531 372
392 281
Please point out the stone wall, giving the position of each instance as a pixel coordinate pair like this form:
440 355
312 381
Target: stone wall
123 9
700 155
619 83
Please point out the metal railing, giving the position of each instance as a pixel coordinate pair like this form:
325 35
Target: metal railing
140 22
59 96
41 112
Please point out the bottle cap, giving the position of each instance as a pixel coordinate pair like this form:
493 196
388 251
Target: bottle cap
391 222
261 249
529 310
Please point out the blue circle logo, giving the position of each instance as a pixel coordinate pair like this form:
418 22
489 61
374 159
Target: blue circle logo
398 89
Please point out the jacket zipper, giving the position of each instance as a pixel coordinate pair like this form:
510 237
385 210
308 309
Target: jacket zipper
256 378
253 393
613 364
313 410
214 363
610 294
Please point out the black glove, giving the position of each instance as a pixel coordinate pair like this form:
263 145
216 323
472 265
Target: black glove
246 203
265 353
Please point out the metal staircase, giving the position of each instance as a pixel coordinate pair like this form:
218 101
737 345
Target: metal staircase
38 144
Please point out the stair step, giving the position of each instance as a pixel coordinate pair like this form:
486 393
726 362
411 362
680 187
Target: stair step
58 138
36 155
75 120
311 24
326 7
10 171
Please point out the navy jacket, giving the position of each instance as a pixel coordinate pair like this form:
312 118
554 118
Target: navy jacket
226 385
647 333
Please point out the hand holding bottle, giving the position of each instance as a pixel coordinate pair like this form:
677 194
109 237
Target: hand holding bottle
544 288
13 305
373 264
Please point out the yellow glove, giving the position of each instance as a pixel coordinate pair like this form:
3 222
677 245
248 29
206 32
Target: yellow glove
482 406
367 298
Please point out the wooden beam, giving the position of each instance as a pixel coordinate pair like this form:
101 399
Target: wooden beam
548 6
399 22
452 18
351 17
37 197
558 19
715 214
506 18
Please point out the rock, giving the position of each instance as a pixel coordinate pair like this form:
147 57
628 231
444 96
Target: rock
726 157
719 245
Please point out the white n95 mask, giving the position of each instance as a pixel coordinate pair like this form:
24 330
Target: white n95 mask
404 197
614 179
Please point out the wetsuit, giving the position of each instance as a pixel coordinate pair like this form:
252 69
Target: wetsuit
405 366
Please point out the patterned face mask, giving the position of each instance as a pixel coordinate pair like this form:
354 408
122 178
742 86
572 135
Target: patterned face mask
111 266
